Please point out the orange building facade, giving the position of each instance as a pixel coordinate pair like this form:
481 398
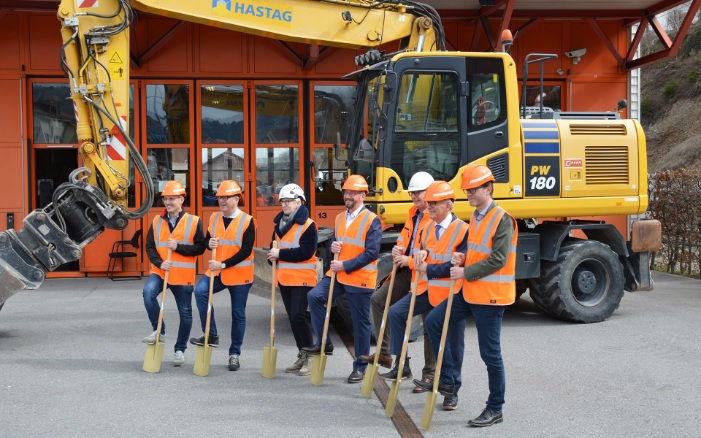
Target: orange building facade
210 104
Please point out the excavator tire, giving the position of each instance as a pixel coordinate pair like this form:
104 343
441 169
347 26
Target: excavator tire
585 284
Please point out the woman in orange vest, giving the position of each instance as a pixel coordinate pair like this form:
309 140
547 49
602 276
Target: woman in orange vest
296 236
489 286
232 233
182 233
357 239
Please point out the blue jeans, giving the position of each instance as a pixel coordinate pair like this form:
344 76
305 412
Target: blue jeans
488 322
397 317
239 297
359 303
183 300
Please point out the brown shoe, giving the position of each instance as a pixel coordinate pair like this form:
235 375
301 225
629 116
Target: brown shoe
418 389
384 360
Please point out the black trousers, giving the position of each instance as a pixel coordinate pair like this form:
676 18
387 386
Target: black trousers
295 300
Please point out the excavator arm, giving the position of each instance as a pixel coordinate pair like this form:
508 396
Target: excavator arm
95 58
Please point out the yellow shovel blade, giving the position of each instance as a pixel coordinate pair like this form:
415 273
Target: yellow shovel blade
392 398
428 410
203 357
369 380
269 360
318 367
153 357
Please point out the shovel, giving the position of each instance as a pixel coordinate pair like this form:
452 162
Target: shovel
203 355
394 391
270 352
319 363
373 368
154 352
431 396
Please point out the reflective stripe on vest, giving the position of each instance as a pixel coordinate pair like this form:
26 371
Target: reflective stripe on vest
498 288
301 273
183 268
230 240
440 252
353 240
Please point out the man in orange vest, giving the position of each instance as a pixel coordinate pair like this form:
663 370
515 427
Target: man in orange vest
232 233
488 278
444 235
357 239
408 242
296 236
182 233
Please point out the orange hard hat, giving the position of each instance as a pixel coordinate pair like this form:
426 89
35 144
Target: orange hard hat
229 188
476 175
439 191
356 183
173 188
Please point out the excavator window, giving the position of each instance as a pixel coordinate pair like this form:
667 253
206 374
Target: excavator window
426 135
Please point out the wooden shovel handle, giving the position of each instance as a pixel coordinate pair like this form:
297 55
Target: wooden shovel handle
444 334
209 302
410 316
272 301
385 313
328 309
163 300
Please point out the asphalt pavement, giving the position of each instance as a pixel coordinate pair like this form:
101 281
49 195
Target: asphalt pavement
71 365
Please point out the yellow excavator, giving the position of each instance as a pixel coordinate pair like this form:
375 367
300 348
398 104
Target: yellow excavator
419 108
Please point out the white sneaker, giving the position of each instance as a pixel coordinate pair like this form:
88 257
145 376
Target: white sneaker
179 359
151 339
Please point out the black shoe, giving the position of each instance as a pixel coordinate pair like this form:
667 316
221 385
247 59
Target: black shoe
450 402
486 418
317 350
392 374
213 340
356 376
443 388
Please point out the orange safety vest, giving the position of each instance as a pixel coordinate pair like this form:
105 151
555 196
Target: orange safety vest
182 271
353 240
229 244
441 251
405 235
295 273
498 288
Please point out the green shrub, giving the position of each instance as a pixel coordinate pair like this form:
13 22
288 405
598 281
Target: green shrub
692 76
646 105
670 88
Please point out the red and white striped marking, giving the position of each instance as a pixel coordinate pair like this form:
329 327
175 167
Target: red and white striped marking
87 4
75 111
116 148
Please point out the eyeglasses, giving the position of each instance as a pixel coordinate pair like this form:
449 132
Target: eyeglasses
351 193
473 191
226 198
286 201
433 203
416 193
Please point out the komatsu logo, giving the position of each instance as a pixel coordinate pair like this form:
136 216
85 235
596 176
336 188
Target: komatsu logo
251 9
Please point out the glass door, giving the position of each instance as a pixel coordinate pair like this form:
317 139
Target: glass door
222 144
168 140
332 107
276 148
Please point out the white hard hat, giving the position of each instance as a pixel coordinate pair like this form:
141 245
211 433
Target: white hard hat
291 191
420 181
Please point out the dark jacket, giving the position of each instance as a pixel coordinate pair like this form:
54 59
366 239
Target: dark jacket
307 241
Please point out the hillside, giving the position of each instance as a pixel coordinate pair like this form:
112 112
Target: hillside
671 107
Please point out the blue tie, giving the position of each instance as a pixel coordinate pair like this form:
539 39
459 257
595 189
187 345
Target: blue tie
438 231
